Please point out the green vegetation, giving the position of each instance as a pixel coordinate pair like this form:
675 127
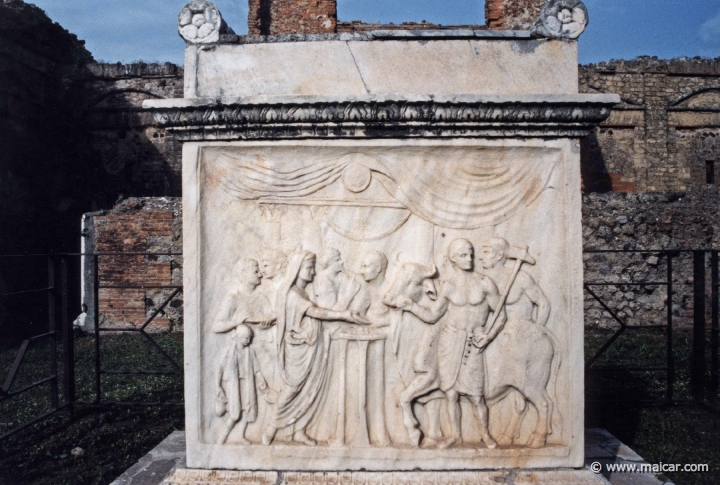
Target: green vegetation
115 437
687 433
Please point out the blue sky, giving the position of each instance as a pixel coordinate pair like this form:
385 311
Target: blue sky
130 30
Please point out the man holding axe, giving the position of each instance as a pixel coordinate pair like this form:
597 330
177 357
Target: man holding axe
522 297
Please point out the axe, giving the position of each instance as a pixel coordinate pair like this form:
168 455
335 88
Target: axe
520 255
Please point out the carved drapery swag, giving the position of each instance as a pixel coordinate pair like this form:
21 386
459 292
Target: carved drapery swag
437 185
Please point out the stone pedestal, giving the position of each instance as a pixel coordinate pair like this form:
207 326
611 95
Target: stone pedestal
383 259
506 477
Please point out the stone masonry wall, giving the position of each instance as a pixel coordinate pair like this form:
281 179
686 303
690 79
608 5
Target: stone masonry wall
664 134
132 155
689 220
512 14
140 225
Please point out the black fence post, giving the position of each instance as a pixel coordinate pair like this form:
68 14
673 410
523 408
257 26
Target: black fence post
52 334
697 361
714 270
67 336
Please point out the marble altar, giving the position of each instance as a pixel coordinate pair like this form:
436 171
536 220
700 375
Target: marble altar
383 266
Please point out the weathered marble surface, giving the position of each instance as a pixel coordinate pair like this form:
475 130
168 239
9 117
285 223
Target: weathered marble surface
355 68
383 270
377 335
599 446
521 477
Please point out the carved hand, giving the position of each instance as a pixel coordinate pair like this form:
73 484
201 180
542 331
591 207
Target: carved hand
269 322
355 317
480 341
262 385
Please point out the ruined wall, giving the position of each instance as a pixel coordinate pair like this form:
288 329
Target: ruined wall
663 136
610 221
271 17
689 220
139 225
512 14
133 156
41 131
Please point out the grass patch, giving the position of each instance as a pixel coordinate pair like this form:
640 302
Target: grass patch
667 434
113 437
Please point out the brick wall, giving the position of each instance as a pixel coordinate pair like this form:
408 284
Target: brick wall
359 26
664 135
512 14
139 225
610 221
270 17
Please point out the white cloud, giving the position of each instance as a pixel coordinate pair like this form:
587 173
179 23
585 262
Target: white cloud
710 30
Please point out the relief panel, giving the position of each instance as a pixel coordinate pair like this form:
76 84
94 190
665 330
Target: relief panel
383 305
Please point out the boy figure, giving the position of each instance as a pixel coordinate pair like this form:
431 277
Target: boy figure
236 380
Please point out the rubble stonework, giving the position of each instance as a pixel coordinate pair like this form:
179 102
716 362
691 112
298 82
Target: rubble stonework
512 14
656 221
610 221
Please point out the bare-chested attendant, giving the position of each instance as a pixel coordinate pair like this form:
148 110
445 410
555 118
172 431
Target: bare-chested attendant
466 299
526 301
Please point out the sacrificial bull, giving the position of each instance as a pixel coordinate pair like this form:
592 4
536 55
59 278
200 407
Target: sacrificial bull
522 358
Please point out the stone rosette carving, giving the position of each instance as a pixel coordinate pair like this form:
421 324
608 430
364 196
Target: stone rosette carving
562 19
200 22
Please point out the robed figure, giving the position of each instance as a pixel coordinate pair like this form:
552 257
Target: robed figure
303 348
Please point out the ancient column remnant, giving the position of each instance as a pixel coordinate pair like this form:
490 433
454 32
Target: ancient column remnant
383 266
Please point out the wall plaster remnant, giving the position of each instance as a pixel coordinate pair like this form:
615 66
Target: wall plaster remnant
383 273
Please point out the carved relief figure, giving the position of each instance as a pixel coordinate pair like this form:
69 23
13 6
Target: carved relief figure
466 299
333 288
525 300
244 304
303 348
238 375
534 357
368 303
369 299
272 266
414 345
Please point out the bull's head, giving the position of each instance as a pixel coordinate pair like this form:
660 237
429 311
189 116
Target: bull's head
413 280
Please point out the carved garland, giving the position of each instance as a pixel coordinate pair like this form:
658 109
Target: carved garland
381 112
